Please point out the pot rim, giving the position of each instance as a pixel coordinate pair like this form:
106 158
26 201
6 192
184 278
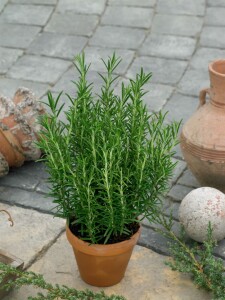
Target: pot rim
101 249
212 65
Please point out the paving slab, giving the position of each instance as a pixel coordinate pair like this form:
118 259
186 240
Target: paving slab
137 17
140 281
93 56
183 7
217 3
26 14
188 179
203 56
8 86
139 3
2 5
7 58
45 2
193 82
211 37
215 17
117 37
72 24
165 71
168 46
57 45
17 36
80 6
177 25
178 192
39 68
31 234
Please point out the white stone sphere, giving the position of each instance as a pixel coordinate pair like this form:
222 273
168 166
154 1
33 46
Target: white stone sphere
198 208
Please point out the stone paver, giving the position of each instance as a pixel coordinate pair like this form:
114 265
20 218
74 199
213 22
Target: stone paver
39 68
71 24
128 16
32 232
211 37
118 37
57 45
7 58
89 7
175 40
177 25
168 46
26 14
166 71
140 275
17 36
183 7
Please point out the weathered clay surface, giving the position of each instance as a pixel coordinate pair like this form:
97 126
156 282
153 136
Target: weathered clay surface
19 128
198 208
147 277
31 234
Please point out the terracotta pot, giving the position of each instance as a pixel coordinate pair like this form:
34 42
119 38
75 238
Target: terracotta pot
203 136
6 149
18 151
102 265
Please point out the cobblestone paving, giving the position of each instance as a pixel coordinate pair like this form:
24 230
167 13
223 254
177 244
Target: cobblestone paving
173 39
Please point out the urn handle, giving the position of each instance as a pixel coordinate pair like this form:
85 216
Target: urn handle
202 97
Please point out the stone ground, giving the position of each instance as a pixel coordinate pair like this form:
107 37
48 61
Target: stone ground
38 40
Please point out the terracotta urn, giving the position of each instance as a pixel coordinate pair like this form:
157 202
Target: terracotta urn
202 138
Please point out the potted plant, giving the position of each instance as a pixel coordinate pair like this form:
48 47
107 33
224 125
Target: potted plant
109 163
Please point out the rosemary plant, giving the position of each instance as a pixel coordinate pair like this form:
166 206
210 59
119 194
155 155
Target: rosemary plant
110 162
50 291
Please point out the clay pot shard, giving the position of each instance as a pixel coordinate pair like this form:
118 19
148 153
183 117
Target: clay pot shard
19 129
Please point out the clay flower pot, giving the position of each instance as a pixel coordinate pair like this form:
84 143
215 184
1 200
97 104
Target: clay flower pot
202 138
102 265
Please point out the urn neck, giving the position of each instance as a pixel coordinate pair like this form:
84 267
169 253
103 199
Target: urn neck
217 83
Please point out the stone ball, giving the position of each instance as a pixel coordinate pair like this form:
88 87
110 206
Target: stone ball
198 208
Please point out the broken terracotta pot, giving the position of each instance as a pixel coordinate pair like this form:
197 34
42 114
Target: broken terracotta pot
202 138
19 129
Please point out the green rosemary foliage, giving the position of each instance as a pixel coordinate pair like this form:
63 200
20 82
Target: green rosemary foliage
207 271
51 292
110 161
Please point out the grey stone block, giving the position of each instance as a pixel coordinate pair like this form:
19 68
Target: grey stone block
165 71
178 192
139 3
215 3
33 233
215 16
94 55
128 16
9 86
17 36
7 58
72 24
43 187
117 37
154 240
188 179
193 82
39 68
180 107
83 7
19 197
57 45
31 168
45 2
204 56
183 7
173 210
179 169
20 180
168 46
178 153
2 4
26 14
177 25
212 37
